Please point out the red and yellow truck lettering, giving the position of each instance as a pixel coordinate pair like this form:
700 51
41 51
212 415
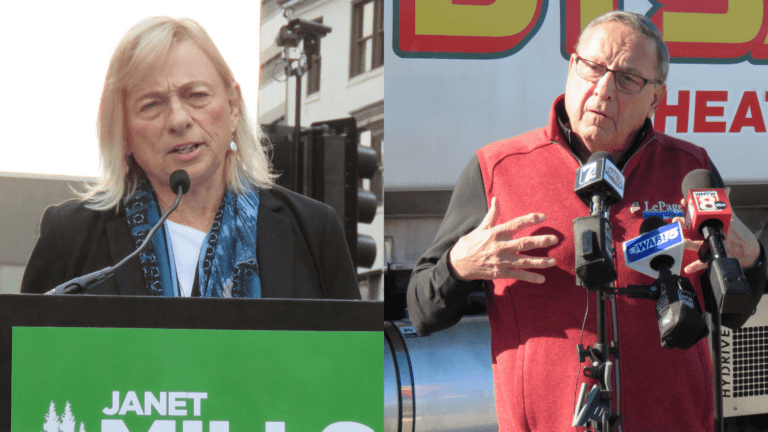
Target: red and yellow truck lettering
713 29
679 112
577 15
748 105
702 31
465 28
708 106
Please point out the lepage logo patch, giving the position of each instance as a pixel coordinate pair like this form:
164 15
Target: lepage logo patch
662 210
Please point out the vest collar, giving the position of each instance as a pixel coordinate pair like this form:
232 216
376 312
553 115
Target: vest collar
560 131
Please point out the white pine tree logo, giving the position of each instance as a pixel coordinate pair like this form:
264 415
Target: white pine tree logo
65 423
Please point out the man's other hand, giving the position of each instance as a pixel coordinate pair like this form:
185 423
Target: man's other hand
492 252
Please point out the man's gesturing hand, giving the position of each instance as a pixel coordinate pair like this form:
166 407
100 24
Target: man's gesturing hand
491 252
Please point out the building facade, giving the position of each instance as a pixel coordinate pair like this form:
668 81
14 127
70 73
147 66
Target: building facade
345 78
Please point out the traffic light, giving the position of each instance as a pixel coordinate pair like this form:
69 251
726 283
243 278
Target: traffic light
285 156
328 165
339 164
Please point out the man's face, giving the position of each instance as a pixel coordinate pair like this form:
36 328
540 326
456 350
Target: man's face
604 117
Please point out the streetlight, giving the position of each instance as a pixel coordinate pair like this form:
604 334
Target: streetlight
290 35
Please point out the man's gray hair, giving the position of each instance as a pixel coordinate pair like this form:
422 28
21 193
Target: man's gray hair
641 24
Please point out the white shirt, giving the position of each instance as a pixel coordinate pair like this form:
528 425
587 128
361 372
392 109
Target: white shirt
186 244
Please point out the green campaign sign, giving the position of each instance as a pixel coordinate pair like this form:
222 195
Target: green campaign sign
180 380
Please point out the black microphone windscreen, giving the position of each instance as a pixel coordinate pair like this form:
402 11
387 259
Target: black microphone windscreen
698 179
650 224
179 178
600 155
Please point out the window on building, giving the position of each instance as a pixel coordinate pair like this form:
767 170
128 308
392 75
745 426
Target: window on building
312 51
367 50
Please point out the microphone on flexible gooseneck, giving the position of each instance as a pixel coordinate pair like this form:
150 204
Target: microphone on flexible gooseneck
708 217
179 183
179 179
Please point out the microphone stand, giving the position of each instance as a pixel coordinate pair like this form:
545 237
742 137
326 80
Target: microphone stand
81 284
717 370
595 407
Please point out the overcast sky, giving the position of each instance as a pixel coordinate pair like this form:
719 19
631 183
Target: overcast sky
55 58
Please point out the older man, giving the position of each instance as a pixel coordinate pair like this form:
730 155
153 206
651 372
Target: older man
521 251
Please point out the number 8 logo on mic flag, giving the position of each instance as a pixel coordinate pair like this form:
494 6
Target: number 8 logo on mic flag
708 201
707 204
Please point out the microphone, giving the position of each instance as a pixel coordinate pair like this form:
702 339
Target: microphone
599 176
179 179
708 217
708 206
601 184
658 241
179 183
658 252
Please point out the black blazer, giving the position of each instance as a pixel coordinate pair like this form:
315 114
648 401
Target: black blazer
300 247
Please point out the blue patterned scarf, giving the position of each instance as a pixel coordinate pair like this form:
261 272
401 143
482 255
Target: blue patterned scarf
227 265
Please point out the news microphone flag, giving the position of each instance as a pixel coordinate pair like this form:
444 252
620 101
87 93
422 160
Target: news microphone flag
705 203
600 175
667 240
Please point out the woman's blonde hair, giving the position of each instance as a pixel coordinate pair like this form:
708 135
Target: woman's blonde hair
142 48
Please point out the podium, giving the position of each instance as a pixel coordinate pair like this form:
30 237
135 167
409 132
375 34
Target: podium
153 364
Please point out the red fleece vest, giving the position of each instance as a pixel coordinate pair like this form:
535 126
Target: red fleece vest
535 328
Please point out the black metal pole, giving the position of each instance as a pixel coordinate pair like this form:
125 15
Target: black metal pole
602 329
717 369
297 168
602 347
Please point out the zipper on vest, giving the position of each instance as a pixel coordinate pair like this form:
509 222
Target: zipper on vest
641 148
568 149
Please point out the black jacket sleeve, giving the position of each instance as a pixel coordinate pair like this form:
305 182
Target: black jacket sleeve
435 296
46 266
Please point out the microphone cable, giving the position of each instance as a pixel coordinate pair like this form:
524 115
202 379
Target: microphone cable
179 182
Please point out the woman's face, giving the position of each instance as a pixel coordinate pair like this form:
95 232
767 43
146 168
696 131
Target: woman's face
182 117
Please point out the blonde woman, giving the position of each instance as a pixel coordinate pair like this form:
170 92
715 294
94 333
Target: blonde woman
171 102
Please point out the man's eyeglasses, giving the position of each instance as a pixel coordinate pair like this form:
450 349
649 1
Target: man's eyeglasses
625 81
